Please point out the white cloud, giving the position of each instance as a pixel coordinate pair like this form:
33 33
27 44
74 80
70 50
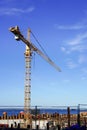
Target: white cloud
82 59
66 80
63 49
84 78
78 40
75 48
79 48
84 73
70 27
77 44
71 64
15 11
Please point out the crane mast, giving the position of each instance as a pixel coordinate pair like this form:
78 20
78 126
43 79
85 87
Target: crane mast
27 92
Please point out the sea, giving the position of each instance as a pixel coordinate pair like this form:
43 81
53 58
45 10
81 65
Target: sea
16 111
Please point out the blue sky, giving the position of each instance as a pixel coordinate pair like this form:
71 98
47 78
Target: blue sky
61 28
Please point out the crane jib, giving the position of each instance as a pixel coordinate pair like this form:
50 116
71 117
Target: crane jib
32 46
16 31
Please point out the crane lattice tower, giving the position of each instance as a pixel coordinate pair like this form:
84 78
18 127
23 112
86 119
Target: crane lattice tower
27 91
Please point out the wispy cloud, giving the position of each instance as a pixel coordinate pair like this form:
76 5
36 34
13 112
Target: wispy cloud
66 80
82 59
79 39
77 44
84 70
84 73
77 48
65 50
15 11
70 27
84 78
71 64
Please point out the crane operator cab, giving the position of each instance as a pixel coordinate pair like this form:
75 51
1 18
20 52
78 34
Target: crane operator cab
17 38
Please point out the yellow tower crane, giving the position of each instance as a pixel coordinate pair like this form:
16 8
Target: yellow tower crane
30 47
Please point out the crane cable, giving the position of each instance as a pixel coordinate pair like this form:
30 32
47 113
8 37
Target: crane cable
39 44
